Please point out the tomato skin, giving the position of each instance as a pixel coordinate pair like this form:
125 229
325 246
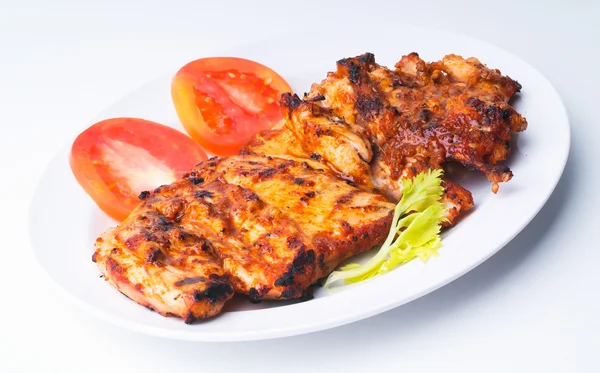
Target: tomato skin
223 102
115 158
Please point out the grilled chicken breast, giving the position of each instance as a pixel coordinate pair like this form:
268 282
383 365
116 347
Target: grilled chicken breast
263 226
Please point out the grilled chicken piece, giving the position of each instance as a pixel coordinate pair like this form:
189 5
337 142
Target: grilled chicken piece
422 115
267 227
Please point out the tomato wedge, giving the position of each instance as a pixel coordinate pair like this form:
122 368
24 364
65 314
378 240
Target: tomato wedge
116 159
223 101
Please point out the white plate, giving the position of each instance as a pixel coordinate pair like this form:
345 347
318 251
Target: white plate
65 222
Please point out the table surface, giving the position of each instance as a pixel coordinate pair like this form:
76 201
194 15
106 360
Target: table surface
531 307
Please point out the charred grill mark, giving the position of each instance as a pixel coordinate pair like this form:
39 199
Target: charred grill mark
366 58
494 114
134 241
203 193
321 260
298 181
368 106
288 293
307 196
354 73
186 236
113 266
285 280
154 255
345 198
253 294
144 195
196 180
266 174
476 104
217 291
290 101
354 68
190 318
163 220
314 99
190 281
303 259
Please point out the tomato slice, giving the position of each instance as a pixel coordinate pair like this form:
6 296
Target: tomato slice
223 102
116 159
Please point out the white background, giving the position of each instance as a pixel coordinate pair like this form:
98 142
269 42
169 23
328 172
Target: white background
532 307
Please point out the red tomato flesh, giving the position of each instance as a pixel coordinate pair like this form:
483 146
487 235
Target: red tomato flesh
223 102
116 159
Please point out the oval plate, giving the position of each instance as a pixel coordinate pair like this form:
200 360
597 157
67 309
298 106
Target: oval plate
65 222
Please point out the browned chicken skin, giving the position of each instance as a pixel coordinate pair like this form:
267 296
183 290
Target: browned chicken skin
315 190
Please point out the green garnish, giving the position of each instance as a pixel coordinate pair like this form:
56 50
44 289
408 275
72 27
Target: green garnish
415 231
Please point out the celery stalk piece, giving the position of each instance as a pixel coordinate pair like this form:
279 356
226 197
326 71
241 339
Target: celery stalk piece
415 231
